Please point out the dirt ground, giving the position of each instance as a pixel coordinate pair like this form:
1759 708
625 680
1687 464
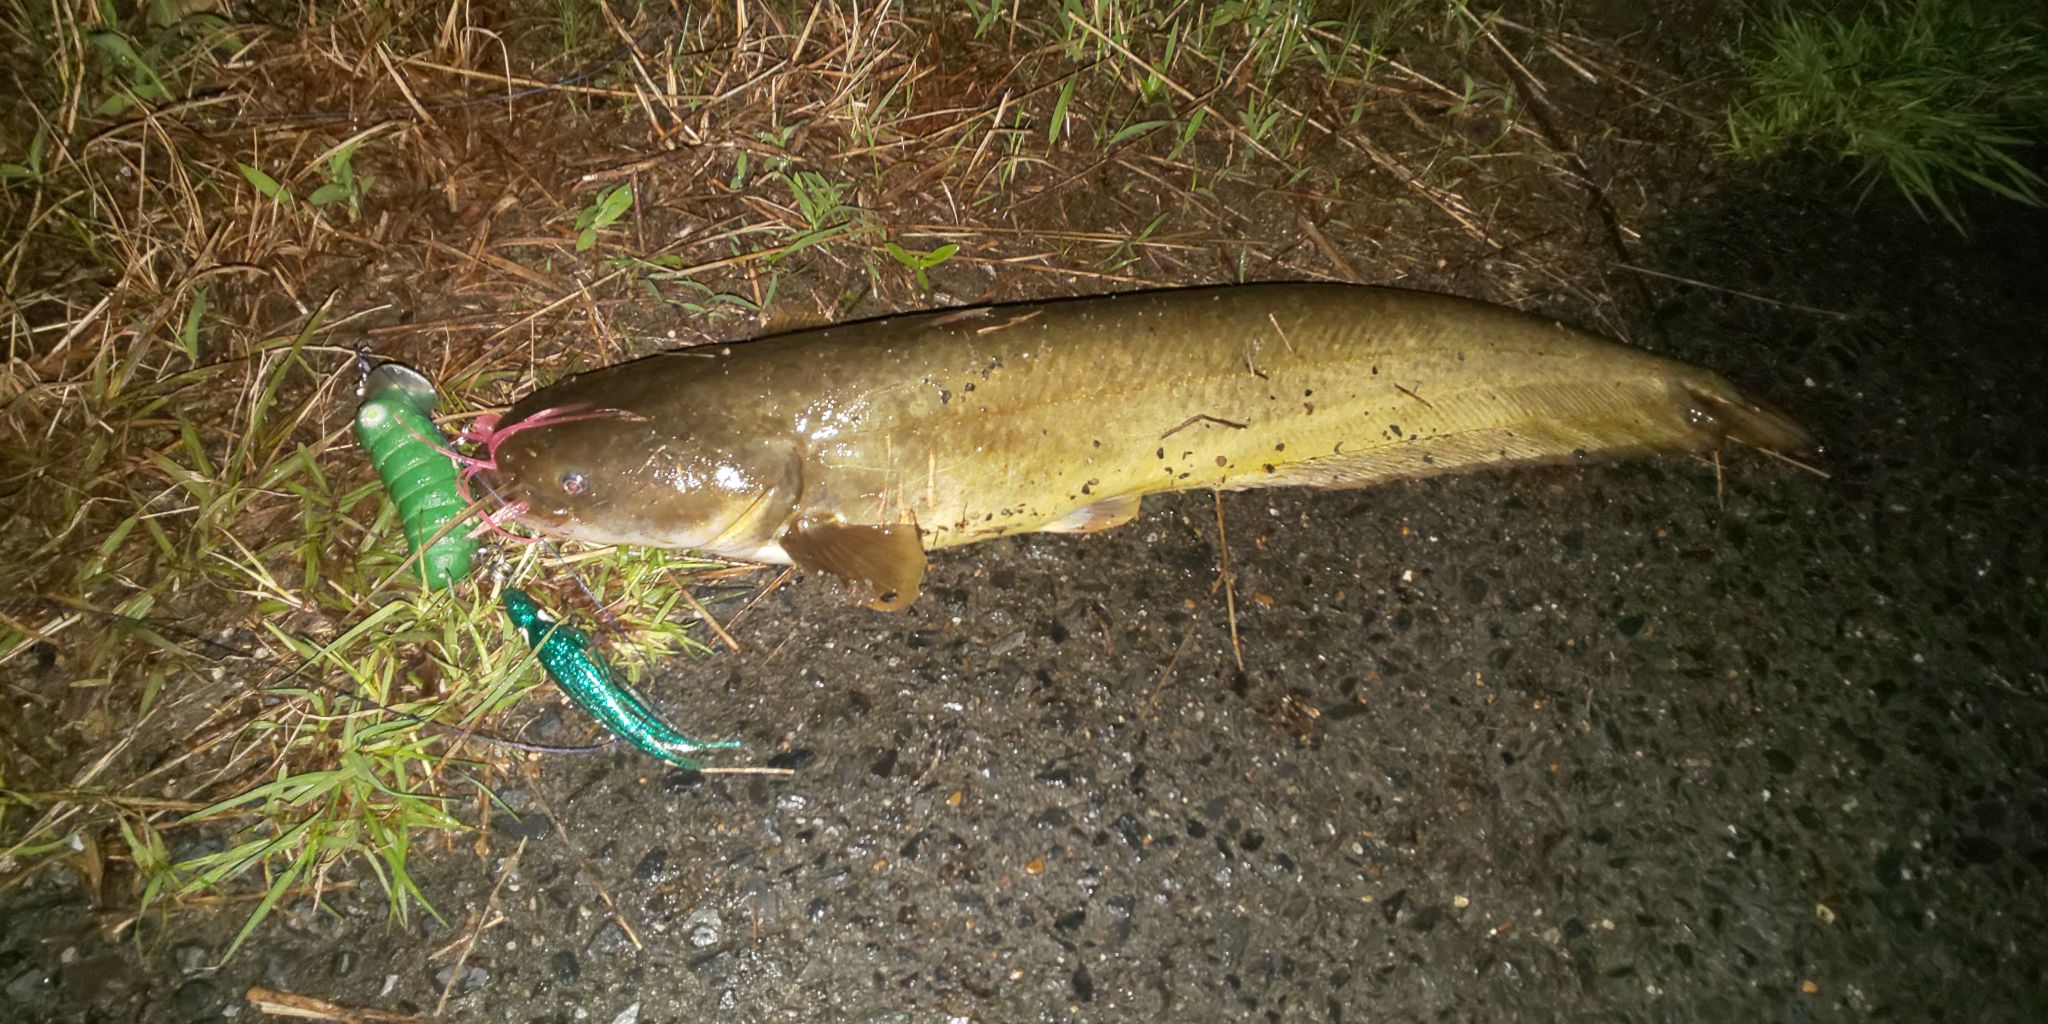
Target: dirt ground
1633 742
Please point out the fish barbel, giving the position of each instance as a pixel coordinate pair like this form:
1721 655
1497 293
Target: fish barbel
855 449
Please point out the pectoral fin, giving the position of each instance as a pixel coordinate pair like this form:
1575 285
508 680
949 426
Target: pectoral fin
887 560
1103 515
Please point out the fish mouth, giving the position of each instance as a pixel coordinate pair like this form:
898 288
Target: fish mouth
487 488
499 503
1750 422
525 513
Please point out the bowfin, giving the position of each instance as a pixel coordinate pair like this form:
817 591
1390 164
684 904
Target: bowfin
887 561
1106 514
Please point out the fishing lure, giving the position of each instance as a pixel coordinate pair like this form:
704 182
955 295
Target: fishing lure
394 425
565 652
420 471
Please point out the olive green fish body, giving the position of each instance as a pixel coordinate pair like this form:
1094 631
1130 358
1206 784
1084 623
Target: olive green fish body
854 447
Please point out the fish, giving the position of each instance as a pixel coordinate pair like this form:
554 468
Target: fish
856 449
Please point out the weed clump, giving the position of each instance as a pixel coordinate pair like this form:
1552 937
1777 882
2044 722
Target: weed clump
1932 95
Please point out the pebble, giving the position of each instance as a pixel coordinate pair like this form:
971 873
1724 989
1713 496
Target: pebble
531 825
816 974
190 957
548 726
714 969
473 978
653 867
31 986
611 938
704 927
564 966
793 760
276 974
197 998
1083 985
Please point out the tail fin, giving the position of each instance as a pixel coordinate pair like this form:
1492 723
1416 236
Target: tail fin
1731 418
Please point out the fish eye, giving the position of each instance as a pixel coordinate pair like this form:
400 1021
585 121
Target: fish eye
573 483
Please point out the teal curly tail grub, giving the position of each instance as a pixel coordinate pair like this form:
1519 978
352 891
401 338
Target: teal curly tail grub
393 424
565 653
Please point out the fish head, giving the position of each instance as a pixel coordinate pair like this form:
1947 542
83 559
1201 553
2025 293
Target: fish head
609 475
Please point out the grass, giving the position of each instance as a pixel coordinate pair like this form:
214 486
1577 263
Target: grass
1934 96
171 452
207 220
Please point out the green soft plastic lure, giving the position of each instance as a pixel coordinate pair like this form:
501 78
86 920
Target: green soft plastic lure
565 652
394 425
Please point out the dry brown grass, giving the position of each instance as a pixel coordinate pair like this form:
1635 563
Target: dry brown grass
183 319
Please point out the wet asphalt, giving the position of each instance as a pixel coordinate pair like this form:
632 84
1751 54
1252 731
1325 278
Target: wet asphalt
1612 743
